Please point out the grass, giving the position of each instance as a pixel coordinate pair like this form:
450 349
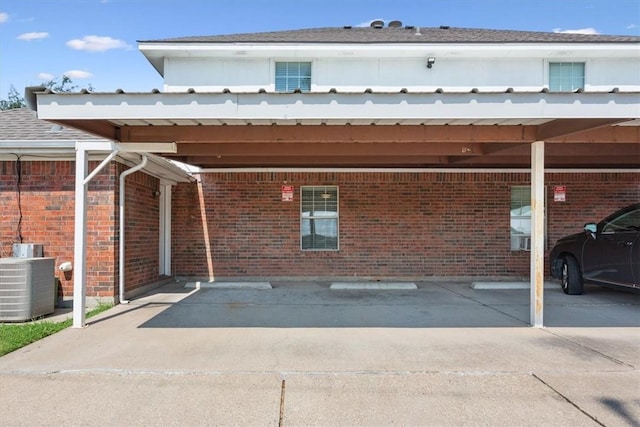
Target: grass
14 336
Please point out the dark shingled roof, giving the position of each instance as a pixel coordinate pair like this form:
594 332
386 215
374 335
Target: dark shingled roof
407 34
21 124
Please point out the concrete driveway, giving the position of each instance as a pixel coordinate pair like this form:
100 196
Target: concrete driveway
302 354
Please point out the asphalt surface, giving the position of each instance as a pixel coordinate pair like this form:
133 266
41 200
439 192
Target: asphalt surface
301 354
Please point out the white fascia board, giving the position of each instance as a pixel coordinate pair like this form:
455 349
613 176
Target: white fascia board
53 146
155 51
148 147
43 149
52 143
328 106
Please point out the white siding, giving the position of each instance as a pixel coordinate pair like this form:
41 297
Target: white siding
393 74
217 74
602 74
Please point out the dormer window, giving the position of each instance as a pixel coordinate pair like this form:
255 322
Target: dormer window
566 76
292 76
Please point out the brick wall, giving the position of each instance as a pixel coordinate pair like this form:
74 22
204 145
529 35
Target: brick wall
47 194
391 224
142 230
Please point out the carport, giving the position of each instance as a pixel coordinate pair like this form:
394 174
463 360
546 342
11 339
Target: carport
362 132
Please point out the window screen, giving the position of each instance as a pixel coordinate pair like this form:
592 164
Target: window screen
319 218
293 75
566 76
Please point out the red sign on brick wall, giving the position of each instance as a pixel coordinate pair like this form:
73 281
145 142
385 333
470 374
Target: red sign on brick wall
560 193
287 193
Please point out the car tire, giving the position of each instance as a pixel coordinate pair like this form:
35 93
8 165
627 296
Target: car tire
571 279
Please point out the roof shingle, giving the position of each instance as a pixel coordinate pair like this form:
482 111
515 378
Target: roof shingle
21 124
407 34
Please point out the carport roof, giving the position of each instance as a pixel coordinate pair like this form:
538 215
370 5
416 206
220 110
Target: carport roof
442 128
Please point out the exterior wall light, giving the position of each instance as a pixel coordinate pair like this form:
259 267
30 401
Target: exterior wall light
430 62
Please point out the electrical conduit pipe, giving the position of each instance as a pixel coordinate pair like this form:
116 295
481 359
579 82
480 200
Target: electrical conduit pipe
123 175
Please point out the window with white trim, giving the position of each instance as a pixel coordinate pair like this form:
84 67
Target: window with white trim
319 218
566 76
291 76
521 218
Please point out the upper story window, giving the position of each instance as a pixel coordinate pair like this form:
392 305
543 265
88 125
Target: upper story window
566 76
293 75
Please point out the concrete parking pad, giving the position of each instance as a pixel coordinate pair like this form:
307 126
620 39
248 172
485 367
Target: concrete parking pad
612 397
443 354
124 398
426 400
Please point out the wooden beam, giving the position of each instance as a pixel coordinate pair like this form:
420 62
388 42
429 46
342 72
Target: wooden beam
583 150
100 128
329 149
329 133
354 161
617 134
563 127
556 161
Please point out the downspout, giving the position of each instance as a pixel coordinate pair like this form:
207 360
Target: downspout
123 175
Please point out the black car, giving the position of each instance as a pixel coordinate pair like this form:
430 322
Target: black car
606 253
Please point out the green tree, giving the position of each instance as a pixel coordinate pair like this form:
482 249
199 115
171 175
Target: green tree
65 85
14 100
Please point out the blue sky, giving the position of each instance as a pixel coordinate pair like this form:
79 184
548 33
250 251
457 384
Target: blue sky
95 41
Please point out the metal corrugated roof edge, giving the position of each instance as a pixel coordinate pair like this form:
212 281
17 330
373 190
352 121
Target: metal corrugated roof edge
335 91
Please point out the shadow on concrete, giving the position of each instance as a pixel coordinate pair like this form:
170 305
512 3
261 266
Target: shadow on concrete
432 305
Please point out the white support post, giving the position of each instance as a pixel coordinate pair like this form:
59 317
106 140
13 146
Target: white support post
165 230
537 234
80 239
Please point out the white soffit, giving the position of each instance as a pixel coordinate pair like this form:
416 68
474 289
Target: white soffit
391 107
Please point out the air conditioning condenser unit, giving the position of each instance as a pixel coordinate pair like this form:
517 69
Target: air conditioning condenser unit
27 288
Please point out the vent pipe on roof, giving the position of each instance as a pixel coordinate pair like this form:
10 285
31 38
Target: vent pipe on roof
377 24
395 24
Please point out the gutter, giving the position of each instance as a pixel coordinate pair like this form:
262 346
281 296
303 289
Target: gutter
123 175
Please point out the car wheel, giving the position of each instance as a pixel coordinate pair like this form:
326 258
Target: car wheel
571 276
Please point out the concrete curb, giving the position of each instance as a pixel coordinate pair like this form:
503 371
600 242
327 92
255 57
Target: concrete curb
510 285
228 285
373 285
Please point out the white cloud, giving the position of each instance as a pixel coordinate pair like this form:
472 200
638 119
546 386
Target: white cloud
4 17
33 36
631 26
97 44
77 74
45 77
578 31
